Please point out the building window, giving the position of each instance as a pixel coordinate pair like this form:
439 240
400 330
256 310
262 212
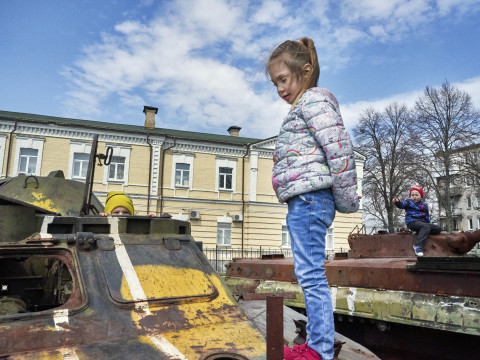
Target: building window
182 170
285 237
478 201
27 161
226 174
225 178
119 166
80 165
478 225
224 234
470 224
455 224
329 244
116 169
454 205
3 141
182 174
28 155
469 202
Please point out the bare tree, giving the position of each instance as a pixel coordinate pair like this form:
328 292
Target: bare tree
444 120
471 166
383 138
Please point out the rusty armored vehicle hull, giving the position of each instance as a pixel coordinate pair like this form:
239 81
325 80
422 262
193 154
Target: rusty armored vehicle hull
123 288
397 305
75 285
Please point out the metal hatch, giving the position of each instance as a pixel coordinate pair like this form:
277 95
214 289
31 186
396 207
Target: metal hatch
160 273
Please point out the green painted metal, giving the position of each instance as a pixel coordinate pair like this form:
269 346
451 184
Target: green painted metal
449 313
54 194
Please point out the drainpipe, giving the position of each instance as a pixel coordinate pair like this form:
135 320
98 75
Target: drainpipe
162 170
149 173
243 194
10 136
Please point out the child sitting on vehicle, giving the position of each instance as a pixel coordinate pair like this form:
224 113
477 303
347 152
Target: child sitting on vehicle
417 218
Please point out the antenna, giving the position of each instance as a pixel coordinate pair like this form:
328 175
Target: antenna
107 158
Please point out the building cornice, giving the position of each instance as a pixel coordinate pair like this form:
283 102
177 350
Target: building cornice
117 137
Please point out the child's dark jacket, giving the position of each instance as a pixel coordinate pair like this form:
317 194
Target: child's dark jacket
414 210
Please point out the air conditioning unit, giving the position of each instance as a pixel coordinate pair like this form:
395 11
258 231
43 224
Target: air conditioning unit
237 218
194 214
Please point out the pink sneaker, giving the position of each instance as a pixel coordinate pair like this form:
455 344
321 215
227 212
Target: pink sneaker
300 352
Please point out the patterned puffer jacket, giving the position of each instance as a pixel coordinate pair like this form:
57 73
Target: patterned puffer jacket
314 151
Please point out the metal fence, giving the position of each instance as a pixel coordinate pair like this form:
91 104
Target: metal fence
220 256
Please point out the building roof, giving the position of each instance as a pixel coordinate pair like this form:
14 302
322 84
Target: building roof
179 134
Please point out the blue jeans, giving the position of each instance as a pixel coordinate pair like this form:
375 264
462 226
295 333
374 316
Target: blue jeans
309 216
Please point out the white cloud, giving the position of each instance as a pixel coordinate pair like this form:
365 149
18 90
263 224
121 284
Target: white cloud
472 86
351 112
201 62
461 6
269 12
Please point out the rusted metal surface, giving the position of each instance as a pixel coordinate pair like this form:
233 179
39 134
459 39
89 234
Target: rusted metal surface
136 288
276 268
274 327
383 283
401 245
395 274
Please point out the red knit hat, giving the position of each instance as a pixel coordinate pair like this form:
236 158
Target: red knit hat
418 188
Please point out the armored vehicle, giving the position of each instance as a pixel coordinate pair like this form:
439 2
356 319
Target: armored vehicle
384 297
74 285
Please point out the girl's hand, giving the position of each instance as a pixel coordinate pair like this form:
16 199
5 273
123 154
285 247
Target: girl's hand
395 200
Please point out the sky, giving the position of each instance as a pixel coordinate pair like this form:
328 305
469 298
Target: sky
202 62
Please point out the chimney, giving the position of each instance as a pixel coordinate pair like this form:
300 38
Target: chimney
150 116
234 130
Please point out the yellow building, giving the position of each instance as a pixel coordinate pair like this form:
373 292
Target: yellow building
221 183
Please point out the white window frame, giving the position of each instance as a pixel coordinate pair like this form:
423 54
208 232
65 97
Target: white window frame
469 202
225 174
121 151
286 235
224 224
28 159
330 238
3 142
470 224
77 147
478 223
24 142
83 163
183 172
115 163
226 162
182 158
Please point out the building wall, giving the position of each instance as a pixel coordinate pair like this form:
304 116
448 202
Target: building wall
262 217
466 185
